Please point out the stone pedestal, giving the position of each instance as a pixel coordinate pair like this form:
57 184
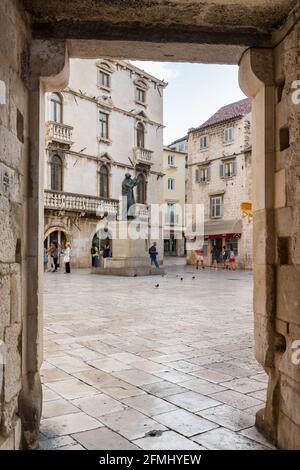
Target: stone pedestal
130 257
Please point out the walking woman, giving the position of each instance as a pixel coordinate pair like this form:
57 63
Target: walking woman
67 258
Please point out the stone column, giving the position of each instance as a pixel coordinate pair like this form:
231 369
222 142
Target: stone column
269 78
47 70
256 77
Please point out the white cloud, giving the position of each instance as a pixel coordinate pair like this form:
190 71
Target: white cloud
162 70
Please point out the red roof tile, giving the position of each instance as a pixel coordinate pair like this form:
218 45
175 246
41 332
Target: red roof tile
230 111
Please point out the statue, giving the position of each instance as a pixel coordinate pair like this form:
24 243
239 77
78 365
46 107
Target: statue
127 196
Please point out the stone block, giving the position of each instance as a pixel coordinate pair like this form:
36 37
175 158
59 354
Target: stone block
283 221
15 297
264 340
263 237
280 189
288 295
264 290
12 368
7 236
5 301
288 433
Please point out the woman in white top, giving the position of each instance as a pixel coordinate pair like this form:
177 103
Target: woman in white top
67 257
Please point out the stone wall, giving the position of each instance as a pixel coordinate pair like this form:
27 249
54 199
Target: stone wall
287 242
14 37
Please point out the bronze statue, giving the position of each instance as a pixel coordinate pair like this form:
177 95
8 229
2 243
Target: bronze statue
128 196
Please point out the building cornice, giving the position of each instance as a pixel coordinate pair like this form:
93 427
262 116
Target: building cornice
108 106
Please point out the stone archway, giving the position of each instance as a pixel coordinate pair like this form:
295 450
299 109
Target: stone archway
267 75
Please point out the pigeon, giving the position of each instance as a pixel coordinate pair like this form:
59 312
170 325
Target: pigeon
193 277
181 278
135 275
156 285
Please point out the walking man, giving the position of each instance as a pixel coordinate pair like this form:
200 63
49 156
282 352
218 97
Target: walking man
153 254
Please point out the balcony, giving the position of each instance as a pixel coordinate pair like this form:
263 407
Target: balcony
56 132
79 203
141 155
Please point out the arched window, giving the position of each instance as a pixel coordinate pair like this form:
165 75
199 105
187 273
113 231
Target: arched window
140 135
56 173
55 107
104 181
141 189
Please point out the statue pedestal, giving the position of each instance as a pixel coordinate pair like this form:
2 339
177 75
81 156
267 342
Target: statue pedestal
130 256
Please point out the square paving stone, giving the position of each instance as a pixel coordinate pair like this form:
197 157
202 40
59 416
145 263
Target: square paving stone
109 365
72 388
136 377
228 417
185 423
68 424
103 439
202 386
99 405
163 389
57 408
131 424
149 405
192 401
224 439
236 399
168 440
244 385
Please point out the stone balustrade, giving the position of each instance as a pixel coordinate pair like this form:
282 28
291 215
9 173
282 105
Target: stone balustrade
142 155
59 132
79 202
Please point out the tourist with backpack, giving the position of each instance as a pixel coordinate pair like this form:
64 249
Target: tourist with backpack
153 255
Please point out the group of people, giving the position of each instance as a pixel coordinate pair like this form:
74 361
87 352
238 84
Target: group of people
57 254
226 257
95 253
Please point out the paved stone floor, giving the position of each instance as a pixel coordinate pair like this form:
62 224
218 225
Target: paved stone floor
129 365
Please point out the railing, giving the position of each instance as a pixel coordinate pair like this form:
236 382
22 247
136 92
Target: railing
59 132
79 202
143 155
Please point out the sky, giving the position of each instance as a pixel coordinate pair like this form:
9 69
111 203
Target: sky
193 94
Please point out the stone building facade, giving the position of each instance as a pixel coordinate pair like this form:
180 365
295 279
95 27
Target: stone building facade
174 200
220 178
107 122
37 40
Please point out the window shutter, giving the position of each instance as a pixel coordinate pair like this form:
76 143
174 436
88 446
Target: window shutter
197 175
234 167
208 173
222 170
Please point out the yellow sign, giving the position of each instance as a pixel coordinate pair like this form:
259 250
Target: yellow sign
246 209
246 206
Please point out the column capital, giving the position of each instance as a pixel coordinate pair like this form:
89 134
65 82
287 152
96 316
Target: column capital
256 70
48 65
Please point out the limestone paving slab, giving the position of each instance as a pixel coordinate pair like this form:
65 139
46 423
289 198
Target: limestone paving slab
122 356
224 439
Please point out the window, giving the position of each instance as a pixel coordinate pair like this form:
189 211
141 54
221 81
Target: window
228 169
203 174
171 184
55 107
104 79
104 181
140 135
216 203
56 173
228 135
171 160
204 142
141 189
170 215
140 95
103 120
